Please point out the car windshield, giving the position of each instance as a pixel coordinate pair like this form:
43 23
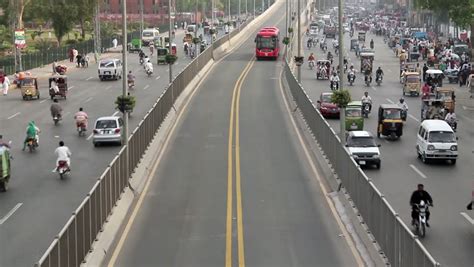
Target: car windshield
365 141
391 114
326 98
266 42
106 124
441 137
106 64
354 112
147 34
413 79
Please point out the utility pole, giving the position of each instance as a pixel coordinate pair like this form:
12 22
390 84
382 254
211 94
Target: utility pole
298 13
238 20
170 42
228 11
341 62
97 41
254 9
141 22
124 83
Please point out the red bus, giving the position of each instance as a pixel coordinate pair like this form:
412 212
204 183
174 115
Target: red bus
267 43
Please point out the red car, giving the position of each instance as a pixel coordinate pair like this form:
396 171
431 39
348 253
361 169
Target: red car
326 107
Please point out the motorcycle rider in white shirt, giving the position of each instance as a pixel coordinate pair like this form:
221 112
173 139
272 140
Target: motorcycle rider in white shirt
63 153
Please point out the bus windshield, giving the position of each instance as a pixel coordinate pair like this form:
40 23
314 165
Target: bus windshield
266 42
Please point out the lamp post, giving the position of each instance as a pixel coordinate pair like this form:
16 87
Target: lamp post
97 42
141 22
169 40
299 39
341 44
124 84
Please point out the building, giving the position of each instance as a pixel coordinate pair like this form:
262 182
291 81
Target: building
155 12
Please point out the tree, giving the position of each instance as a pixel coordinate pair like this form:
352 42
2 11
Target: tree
60 15
84 13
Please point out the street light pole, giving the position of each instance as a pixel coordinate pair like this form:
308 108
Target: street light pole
97 42
254 8
141 22
170 41
124 83
299 39
341 44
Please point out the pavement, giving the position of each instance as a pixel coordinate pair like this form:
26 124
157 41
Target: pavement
38 204
450 237
234 186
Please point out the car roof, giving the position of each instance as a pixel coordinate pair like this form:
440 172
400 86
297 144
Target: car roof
109 59
437 125
434 71
389 106
360 134
412 73
108 118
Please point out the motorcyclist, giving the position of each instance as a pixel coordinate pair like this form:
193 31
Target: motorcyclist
63 153
81 118
367 75
404 106
130 79
371 43
367 100
141 56
311 60
56 109
309 43
32 132
334 79
329 56
148 67
416 197
451 119
379 72
3 143
351 72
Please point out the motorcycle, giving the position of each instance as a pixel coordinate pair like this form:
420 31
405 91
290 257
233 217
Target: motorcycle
309 43
56 119
141 60
334 86
453 124
403 114
420 222
131 85
62 169
378 79
149 71
81 128
351 78
365 110
311 64
32 144
368 80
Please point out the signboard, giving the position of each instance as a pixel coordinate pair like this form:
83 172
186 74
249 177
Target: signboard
20 41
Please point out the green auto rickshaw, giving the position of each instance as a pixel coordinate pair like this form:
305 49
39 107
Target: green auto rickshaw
353 119
135 45
4 168
161 55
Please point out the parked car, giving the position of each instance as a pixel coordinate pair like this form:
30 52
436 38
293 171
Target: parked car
110 68
362 147
327 107
107 130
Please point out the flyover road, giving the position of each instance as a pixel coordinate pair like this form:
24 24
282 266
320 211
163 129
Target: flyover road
38 204
234 185
450 238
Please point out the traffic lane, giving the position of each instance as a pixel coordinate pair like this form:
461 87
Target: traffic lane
284 213
186 206
390 177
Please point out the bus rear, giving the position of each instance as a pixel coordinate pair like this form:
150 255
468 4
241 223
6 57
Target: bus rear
267 43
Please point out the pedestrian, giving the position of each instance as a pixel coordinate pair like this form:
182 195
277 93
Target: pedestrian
151 48
6 85
74 54
71 54
55 65
114 42
425 68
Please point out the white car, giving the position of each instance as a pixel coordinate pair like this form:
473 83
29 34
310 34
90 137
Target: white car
110 68
363 149
107 130
436 140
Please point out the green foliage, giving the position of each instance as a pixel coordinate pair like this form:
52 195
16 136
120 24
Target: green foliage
61 14
125 103
196 40
290 30
43 44
341 98
107 29
459 11
286 40
171 59
71 42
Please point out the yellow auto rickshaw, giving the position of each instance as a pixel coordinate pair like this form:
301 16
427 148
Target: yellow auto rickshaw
390 121
411 84
29 88
447 96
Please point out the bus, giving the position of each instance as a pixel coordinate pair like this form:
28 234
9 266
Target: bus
267 43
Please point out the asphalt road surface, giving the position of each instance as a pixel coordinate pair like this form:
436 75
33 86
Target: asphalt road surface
38 204
234 185
450 238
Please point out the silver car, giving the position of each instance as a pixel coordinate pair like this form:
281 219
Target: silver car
107 130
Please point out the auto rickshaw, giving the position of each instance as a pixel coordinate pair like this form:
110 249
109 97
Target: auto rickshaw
135 45
173 48
161 55
411 67
411 83
390 121
29 88
432 108
323 69
5 170
434 77
353 119
448 97
366 60
361 37
354 43
61 83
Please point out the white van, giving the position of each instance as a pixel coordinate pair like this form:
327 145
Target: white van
436 140
149 36
191 28
110 68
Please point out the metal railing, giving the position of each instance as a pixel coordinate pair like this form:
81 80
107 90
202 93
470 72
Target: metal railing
399 244
75 240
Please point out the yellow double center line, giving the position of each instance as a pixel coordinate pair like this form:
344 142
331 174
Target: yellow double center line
234 121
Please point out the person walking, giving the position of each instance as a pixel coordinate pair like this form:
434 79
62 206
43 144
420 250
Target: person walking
6 85
74 54
115 43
